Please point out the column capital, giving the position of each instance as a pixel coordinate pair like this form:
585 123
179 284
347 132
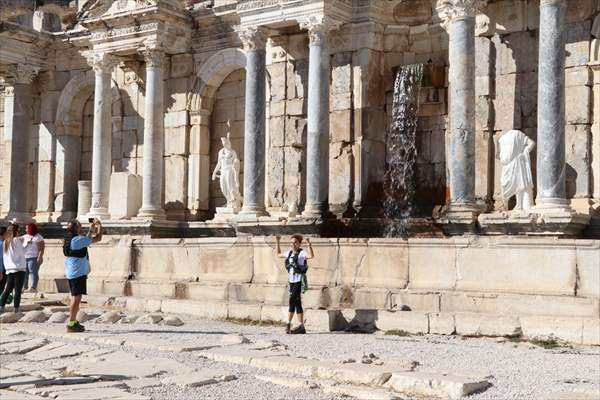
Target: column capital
319 27
252 37
101 63
459 9
21 73
153 57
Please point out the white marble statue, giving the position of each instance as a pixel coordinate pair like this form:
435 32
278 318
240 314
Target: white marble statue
513 152
228 170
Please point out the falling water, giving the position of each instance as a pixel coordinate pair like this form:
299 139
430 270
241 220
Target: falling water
401 151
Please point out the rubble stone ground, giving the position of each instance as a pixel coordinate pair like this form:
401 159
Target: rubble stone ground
155 356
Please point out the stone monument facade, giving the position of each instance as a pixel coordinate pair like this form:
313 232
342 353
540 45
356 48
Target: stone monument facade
305 89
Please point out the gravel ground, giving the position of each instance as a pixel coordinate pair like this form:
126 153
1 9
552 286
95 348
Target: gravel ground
520 370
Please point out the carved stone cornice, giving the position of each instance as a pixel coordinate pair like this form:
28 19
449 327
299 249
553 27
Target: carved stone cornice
252 37
20 73
102 63
459 9
319 27
153 57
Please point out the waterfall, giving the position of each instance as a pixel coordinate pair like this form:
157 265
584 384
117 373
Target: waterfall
401 151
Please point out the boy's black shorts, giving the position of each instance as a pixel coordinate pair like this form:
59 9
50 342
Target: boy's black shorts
78 285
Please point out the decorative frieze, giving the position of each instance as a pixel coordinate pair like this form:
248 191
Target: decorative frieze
125 30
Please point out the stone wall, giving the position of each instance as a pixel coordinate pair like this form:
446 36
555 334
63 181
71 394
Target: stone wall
468 283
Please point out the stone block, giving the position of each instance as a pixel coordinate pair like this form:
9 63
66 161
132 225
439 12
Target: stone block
152 289
339 126
125 197
509 16
340 102
578 143
276 108
176 118
591 332
211 310
442 324
411 322
578 105
369 299
277 131
49 103
579 76
432 269
277 73
274 314
176 170
202 292
578 42
415 301
492 267
243 311
181 65
176 140
200 140
486 325
341 79
176 91
568 329
483 51
198 182
443 385
295 107
588 269
340 175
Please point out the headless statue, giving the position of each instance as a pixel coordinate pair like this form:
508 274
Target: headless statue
513 152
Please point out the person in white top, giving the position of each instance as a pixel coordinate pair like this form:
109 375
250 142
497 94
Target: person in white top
296 266
13 257
34 256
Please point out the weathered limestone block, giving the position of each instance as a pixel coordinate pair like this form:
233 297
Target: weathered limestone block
442 323
181 65
200 140
340 175
142 289
568 329
198 192
176 118
591 332
577 43
215 310
297 47
243 311
277 108
297 78
275 176
551 269
415 301
277 73
588 269
277 131
293 189
578 105
111 258
49 103
202 292
577 155
411 322
486 325
508 16
45 173
340 124
176 183
296 107
431 269
125 197
177 140
579 76
176 91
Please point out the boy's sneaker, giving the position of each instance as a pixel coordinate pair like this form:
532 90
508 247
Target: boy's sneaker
288 329
300 330
75 328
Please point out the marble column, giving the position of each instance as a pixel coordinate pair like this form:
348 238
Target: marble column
103 65
461 156
551 185
317 151
152 185
254 42
18 126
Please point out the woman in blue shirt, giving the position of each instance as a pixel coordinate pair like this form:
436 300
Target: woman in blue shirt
77 265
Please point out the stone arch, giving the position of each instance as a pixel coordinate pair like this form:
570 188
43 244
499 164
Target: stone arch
68 126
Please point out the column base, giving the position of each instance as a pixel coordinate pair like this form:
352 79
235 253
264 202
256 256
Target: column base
459 218
535 221
316 211
19 216
225 214
251 212
100 213
151 214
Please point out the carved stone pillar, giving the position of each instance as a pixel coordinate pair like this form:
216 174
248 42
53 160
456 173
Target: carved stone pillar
460 15
152 184
317 152
17 127
103 65
551 167
254 42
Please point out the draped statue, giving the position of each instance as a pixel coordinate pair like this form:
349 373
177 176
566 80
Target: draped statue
228 171
513 152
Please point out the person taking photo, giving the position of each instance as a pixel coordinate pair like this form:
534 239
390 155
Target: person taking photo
13 258
296 266
77 265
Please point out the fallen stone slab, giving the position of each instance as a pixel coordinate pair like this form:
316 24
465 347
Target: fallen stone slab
104 394
142 383
24 307
292 365
163 344
358 374
113 340
22 347
109 317
54 390
233 339
121 365
440 385
34 316
129 319
172 320
10 317
12 395
16 337
9 373
149 319
291 382
43 353
58 318
199 378
237 355
23 380
361 392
